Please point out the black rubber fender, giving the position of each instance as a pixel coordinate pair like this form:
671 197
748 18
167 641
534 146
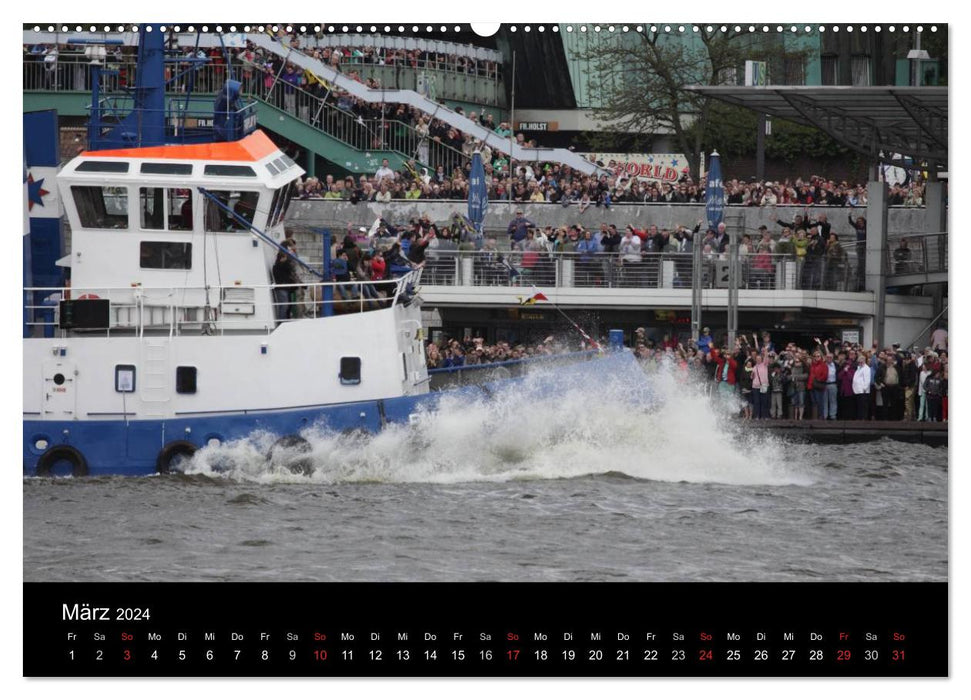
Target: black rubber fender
79 465
295 447
168 455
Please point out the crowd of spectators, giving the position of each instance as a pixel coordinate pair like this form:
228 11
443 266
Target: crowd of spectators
831 380
526 253
560 184
451 352
442 172
382 56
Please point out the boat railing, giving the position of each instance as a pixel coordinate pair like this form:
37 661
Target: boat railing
207 310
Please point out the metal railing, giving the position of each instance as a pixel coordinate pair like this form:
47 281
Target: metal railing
916 253
437 82
645 271
359 133
72 73
211 310
483 58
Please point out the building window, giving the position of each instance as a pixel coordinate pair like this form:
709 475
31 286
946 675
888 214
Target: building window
185 380
163 255
101 207
727 76
860 68
829 69
795 69
350 370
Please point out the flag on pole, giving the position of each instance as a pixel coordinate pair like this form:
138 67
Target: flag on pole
478 193
539 296
714 192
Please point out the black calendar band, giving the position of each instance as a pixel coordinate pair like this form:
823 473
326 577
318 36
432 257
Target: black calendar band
485 629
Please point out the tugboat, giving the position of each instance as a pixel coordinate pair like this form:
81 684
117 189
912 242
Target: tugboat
169 336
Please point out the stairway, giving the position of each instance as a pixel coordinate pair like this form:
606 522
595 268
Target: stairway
422 103
352 143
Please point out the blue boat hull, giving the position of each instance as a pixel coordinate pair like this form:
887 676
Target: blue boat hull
135 448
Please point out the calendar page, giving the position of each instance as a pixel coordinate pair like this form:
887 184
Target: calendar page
437 349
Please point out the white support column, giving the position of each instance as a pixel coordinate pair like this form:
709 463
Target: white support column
935 222
936 212
867 324
876 255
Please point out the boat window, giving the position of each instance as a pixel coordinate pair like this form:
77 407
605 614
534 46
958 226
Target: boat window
179 208
158 204
280 203
273 169
185 380
350 370
151 207
230 170
243 204
166 169
101 207
280 164
102 166
165 255
125 378
289 161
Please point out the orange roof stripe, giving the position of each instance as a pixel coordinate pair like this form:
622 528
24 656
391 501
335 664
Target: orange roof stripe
250 149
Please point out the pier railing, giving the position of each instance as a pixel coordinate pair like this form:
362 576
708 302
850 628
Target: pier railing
644 271
71 73
214 310
916 253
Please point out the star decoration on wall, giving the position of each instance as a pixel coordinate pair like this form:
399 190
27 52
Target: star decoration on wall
35 192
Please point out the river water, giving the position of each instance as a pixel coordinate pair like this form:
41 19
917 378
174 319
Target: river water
586 486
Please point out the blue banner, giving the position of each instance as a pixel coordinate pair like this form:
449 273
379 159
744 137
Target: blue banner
714 192
478 194
42 207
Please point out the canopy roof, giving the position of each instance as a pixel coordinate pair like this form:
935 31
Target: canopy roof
911 121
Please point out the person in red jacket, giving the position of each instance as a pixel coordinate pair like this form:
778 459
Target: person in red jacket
818 373
726 368
379 268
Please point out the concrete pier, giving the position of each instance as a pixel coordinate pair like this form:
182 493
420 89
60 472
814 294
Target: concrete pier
844 432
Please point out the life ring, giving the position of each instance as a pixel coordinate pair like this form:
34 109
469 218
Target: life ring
51 463
174 454
288 452
88 296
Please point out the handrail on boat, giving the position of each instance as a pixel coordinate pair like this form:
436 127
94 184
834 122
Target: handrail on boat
212 309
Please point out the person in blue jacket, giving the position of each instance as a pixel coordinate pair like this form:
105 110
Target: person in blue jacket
518 227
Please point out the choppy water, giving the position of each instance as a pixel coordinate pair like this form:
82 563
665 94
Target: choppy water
586 487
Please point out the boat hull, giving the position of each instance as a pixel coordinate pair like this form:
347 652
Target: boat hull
143 447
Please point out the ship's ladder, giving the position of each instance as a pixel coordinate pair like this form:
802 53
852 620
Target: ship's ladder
156 374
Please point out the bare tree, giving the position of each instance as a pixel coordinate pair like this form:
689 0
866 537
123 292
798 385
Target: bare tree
638 79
